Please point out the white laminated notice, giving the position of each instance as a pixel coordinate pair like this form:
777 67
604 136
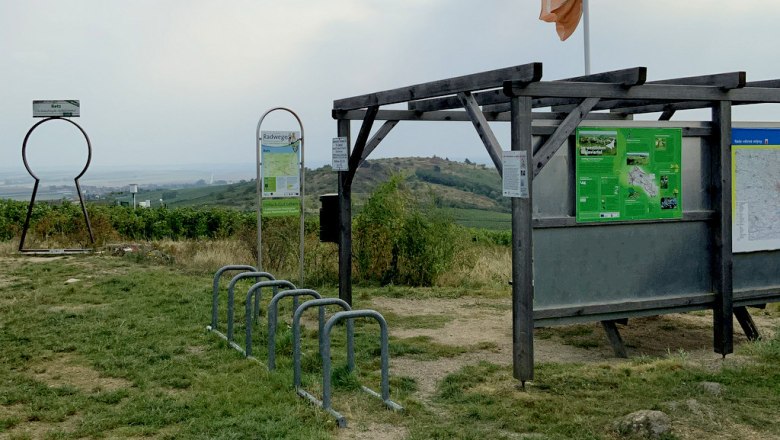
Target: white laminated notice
340 160
515 182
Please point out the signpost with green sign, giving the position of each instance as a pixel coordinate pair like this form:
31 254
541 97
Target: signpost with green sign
280 182
628 174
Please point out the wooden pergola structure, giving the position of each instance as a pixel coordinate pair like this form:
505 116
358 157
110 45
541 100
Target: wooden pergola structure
510 95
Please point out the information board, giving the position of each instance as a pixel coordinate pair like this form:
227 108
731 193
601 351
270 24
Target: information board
755 162
280 160
340 156
628 174
70 108
515 174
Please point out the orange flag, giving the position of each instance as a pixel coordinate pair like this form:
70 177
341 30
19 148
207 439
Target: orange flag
564 13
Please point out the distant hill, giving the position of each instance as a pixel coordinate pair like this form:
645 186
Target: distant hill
470 193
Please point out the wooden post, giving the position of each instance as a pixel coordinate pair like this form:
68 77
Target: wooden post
722 262
345 223
522 251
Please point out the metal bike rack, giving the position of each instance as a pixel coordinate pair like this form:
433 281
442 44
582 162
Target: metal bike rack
384 358
215 289
296 328
272 318
255 291
231 294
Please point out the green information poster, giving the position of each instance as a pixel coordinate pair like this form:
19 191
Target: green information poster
628 174
281 207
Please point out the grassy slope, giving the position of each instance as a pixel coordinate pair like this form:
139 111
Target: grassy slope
142 327
462 188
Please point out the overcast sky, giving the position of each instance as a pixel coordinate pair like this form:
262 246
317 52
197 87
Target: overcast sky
185 81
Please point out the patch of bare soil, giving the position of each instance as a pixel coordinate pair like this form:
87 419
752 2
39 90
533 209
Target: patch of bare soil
74 308
68 370
488 322
374 431
38 429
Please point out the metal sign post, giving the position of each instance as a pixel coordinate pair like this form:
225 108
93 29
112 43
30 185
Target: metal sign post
281 186
51 111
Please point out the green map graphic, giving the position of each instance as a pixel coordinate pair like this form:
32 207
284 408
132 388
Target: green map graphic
628 174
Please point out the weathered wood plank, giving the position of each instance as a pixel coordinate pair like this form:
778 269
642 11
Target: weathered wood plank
478 81
614 338
722 265
552 89
377 138
522 251
625 77
726 81
571 222
483 129
562 133
461 116
653 107
345 222
704 300
667 115
360 143
747 324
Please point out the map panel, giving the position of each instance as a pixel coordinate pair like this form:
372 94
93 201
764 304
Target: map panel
628 174
280 159
755 189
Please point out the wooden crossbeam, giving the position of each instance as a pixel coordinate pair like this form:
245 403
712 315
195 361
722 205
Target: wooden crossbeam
625 77
662 92
547 151
653 107
725 81
378 137
461 116
360 142
478 81
483 129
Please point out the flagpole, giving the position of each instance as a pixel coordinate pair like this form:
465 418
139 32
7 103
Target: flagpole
586 28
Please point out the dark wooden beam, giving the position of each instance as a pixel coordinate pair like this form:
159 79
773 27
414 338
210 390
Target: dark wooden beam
522 251
653 107
747 324
722 264
377 138
483 129
478 81
667 115
624 77
462 116
360 143
648 91
614 338
726 81
345 222
562 133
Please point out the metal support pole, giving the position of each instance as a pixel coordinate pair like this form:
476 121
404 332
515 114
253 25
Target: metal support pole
522 251
586 29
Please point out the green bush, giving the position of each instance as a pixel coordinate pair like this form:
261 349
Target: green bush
398 239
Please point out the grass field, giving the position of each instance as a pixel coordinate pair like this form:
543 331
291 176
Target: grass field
115 347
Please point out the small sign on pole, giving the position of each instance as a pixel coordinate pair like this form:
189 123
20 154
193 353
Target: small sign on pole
515 182
63 108
340 154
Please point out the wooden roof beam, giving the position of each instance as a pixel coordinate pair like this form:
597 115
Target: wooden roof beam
724 81
660 92
523 73
460 116
625 77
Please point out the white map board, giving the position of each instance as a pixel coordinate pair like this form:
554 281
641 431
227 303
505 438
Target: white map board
755 189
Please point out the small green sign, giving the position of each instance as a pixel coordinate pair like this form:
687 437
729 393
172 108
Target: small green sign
281 207
628 174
